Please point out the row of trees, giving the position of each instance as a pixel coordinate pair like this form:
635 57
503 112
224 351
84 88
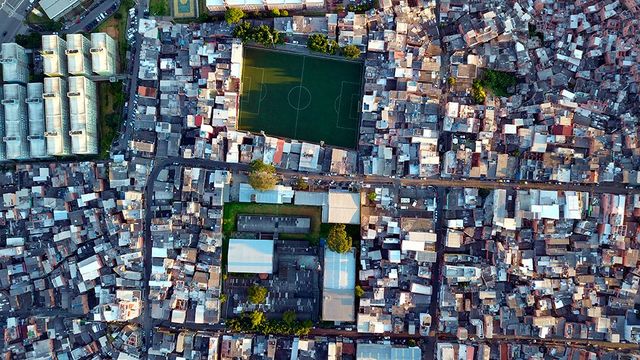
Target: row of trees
262 34
321 43
257 322
233 15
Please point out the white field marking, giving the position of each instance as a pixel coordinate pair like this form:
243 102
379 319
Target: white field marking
340 105
295 133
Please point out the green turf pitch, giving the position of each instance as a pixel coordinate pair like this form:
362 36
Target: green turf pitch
300 97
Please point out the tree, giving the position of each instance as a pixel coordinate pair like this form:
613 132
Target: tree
333 47
351 51
257 294
30 41
452 81
267 36
372 196
275 12
257 318
262 177
318 42
301 184
478 93
117 16
223 298
484 193
338 239
289 317
498 82
243 31
359 291
233 15
284 13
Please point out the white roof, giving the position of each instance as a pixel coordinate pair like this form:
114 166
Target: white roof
79 113
55 8
309 156
250 256
54 101
101 52
279 195
36 120
215 2
344 207
52 56
77 54
339 270
387 352
89 268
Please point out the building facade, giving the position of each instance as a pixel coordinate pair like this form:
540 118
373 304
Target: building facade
83 115
16 128
103 54
3 150
55 9
53 55
35 107
260 5
78 59
15 64
56 113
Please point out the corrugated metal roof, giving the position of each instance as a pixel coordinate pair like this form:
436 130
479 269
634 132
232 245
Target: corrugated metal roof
250 256
387 352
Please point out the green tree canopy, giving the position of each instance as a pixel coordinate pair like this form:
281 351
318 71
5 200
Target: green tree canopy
351 51
372 196
267 36
275 12
321 43
478 93
498 82
302 184
31 40
257 318
289 317
243 31
338 239
262 34
359 291
233 15
257 294
262 176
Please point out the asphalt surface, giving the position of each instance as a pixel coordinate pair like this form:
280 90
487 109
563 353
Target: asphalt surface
126 132
91 16
12 14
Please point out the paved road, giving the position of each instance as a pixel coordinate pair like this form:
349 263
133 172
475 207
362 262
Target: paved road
12 13
99 8
126 131
436 269
40 312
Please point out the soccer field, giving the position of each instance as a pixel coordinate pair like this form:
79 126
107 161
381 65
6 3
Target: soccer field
300 97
